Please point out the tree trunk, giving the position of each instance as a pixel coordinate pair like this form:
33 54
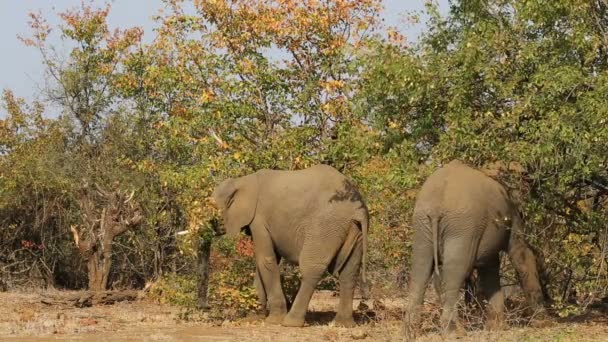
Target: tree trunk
99 269
204 253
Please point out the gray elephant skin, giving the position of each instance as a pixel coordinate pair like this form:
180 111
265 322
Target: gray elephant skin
315 218
462 220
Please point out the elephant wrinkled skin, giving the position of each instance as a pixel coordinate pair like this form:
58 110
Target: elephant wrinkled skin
314 217
462 220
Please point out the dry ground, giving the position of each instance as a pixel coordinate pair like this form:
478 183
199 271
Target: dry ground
23 317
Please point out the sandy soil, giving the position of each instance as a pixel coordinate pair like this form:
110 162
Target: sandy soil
23 317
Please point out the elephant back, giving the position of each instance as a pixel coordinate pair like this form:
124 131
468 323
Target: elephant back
317 187
458 187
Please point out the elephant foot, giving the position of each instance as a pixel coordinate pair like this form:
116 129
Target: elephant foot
291 321
275 318
345 322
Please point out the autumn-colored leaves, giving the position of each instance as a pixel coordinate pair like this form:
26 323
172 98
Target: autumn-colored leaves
296 26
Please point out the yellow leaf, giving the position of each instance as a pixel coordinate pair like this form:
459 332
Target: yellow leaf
207 96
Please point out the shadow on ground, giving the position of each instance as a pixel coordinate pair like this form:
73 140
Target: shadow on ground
326 317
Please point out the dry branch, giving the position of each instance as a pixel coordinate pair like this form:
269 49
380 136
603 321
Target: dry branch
106 214
91 298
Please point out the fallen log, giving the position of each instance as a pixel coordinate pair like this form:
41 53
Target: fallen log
91 298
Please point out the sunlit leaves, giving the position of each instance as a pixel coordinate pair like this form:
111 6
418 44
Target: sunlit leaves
510 81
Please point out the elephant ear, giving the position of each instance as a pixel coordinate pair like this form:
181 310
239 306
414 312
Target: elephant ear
237 198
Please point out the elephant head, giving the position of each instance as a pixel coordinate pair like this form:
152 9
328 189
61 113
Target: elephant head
237 198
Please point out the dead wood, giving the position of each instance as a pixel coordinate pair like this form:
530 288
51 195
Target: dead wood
91 298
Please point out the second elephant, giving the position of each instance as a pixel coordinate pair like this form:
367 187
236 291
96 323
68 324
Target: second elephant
462 220
314 217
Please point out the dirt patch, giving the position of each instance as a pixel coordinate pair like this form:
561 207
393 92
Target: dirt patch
24 317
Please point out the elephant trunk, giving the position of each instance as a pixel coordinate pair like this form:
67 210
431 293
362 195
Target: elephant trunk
435 237
218 228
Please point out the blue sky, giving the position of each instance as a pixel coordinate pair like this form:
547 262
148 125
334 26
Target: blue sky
20 66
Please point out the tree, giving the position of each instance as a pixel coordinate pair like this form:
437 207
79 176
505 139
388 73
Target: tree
106 215
92 134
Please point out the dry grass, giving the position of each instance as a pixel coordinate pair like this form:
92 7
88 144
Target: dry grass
22 315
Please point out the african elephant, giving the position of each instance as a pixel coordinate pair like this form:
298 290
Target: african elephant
315 218
462 220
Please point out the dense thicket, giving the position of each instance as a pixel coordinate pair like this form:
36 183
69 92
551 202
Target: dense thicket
519 88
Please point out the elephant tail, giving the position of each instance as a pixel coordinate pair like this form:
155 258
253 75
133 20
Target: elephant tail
435 237
364 230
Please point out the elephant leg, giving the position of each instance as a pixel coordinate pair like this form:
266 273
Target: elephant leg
259 288
261 291
312 265
457 266
268 269
348 279
524 262
489 279
422 266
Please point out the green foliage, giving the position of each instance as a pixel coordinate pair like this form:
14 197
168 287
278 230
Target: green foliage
175 289
232 294
516 87
231 291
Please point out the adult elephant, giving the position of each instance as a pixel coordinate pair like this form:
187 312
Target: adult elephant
315 218
462 220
